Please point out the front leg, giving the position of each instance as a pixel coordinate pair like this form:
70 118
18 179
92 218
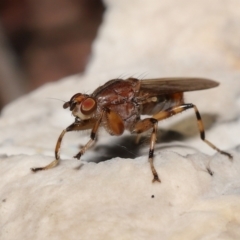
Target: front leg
92 137
76 126
113 124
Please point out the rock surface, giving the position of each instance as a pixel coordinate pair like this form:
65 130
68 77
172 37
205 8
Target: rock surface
115 199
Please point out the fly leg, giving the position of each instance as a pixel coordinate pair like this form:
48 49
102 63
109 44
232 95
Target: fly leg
142 126
76 126
92 138
113 122
137 139
175 110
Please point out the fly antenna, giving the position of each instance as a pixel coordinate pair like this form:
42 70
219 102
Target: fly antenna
56 99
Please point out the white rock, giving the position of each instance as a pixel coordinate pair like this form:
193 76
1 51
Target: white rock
116 199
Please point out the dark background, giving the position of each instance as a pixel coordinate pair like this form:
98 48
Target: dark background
44 41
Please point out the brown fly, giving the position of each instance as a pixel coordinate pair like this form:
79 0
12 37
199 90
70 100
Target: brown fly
119 104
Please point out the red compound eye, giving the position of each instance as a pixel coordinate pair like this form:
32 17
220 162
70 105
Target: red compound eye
88 106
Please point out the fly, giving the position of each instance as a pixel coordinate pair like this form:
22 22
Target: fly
118 105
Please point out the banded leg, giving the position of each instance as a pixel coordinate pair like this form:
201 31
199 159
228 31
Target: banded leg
92 137
175 110
142 126
76 126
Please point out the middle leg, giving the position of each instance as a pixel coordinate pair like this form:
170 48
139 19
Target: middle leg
142 126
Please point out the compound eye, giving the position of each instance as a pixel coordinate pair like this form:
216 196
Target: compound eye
88 106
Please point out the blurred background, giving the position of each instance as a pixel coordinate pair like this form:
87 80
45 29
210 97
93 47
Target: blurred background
44 41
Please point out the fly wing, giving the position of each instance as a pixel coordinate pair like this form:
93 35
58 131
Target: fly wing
162 86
